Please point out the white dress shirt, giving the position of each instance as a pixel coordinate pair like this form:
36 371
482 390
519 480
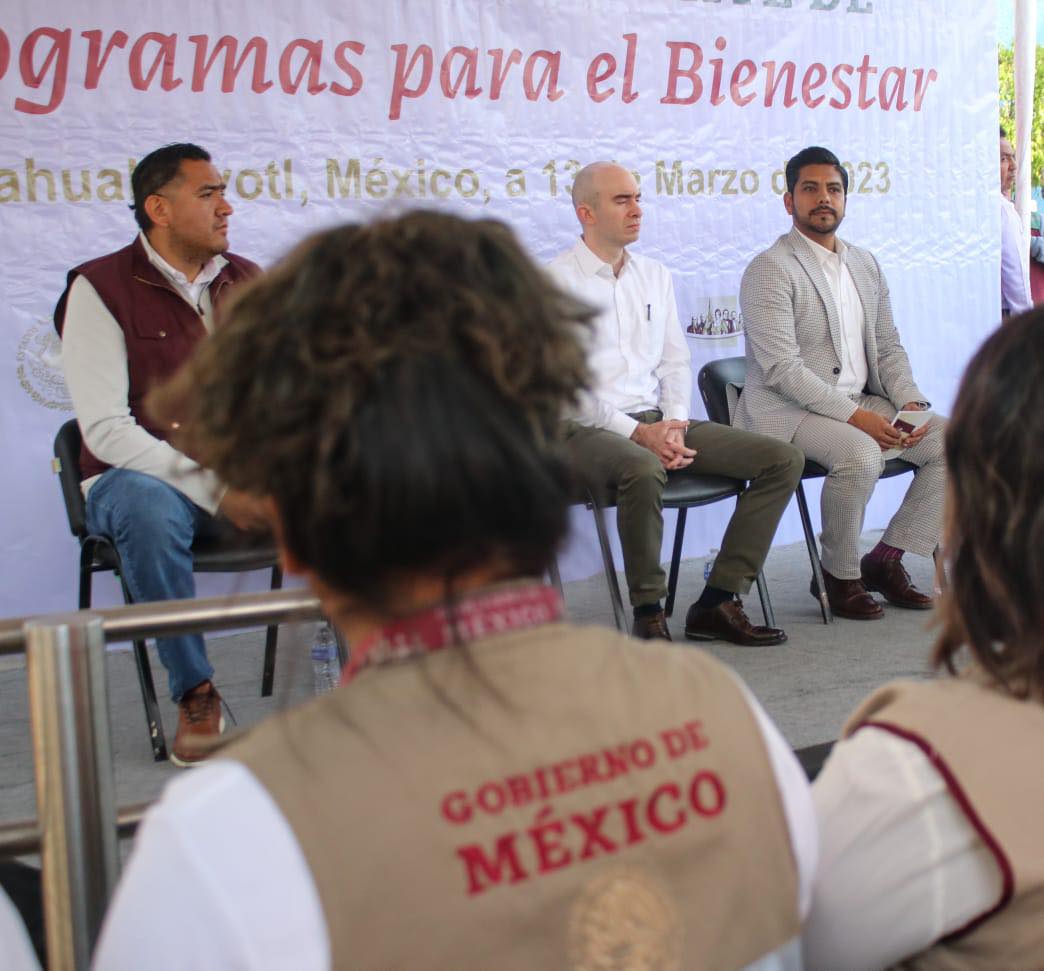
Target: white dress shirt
637 351
900 865
94 358
854 370
1015 286
16 950
216 859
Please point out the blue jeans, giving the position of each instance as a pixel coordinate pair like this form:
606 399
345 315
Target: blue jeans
153 526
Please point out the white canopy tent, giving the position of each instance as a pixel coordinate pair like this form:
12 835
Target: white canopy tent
330 111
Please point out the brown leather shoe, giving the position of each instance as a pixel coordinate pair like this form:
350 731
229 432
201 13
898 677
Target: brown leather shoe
651 627
199 723
848 598
889 577
729 622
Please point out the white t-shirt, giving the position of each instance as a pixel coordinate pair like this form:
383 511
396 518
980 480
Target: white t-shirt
851 318
217 872
1015 285
900 864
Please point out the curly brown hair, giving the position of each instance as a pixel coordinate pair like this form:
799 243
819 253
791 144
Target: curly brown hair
993 604
396 389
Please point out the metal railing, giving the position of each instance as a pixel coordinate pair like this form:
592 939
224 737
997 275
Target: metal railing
173 617
78 826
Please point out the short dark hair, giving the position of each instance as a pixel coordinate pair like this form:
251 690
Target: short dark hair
157 169
813 155
994 540
397 390
1003 133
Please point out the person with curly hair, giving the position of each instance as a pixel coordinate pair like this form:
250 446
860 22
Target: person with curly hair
932 806
490 786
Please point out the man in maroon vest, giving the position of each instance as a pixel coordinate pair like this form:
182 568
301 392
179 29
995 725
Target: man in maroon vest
127 321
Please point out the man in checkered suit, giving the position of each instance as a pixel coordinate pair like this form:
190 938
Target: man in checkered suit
826 371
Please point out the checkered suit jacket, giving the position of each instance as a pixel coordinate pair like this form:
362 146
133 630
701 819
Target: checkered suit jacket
794 339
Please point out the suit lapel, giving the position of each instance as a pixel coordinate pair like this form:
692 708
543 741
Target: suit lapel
810 264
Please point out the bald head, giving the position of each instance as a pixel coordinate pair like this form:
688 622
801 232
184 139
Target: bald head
590 179
585 184
606 198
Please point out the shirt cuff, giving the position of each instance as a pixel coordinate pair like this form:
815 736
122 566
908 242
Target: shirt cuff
911 394
622 424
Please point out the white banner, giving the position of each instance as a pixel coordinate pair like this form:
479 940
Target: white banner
330 111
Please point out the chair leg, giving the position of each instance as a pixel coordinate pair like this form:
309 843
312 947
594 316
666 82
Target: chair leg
555 576
672 577
148 695
610 567
157 739
86 555
343 650
813 554
766 603
271 641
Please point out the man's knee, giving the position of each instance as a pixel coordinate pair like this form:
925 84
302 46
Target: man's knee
933 446
862 463
791 462
780 462
643 472
148 509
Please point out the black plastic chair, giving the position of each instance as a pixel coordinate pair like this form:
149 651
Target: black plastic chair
228 552
721 383
682 493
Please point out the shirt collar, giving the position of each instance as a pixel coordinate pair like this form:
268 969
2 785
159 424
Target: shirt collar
591 263
210 269
823 254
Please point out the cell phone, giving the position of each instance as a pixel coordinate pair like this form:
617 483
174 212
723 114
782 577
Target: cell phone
901 425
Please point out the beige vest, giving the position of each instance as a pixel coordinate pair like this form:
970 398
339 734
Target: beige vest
989 748
560 797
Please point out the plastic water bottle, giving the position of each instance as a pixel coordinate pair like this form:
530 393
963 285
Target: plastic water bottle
708 564
325 666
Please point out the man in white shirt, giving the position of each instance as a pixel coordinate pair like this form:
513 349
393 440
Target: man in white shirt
1015 286
127 321
633 426
826 371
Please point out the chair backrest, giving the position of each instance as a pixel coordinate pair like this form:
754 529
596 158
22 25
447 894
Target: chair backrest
67 452
715 380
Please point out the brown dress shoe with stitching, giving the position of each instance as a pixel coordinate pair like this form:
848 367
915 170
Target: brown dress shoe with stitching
200 722
651 627
729 622
848 598
889 577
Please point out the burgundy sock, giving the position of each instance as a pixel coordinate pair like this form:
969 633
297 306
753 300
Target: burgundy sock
882 552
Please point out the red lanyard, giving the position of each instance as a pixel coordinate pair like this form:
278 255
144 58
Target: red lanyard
485 613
